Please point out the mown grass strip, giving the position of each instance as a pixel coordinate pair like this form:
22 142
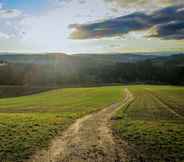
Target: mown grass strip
150 128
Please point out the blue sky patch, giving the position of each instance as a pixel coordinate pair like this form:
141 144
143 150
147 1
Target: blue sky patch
25 5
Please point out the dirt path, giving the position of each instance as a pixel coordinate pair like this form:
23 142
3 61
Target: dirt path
89 139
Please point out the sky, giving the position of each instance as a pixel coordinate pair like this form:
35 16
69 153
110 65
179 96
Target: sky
91 26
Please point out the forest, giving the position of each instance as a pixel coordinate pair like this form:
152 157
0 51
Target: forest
69 70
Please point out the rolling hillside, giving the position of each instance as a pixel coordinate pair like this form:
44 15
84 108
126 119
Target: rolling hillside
90 69
28 123
149 122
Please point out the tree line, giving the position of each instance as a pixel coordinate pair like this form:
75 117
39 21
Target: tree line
85 71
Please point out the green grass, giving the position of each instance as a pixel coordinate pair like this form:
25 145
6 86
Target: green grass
172 96
14 91
153 124
28 123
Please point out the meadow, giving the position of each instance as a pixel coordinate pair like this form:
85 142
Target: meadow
28 123
14 91
153 124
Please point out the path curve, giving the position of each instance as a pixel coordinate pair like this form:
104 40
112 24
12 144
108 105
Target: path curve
89 139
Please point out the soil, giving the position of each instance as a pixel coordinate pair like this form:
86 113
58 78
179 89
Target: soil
89 139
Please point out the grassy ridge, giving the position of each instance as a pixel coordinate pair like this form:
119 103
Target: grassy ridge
28 123
153 128
14 91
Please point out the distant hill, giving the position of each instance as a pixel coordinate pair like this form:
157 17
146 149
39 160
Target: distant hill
176 59
50 57
61 69
117 57
31 58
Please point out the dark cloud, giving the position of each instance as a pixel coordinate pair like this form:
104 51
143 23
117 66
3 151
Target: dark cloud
168 14
173 30
113 27
169 23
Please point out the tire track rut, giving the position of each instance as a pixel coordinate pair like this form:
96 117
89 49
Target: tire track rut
166 105
89 139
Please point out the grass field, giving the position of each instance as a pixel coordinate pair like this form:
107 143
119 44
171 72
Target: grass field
28 123
14 91
153 124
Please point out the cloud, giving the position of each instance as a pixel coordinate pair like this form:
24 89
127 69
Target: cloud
113 27
127 2
151 3
48 29
10 13
4 35
173 30
168 24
